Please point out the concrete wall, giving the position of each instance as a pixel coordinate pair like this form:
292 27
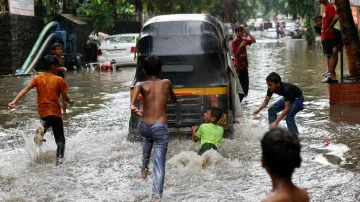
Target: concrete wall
345 102
18 35
345 93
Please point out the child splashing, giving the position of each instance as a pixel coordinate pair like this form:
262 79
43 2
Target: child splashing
48 87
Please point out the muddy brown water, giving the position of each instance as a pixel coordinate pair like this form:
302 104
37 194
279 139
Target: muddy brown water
101 165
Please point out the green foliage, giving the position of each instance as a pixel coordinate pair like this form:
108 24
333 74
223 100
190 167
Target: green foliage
180 6
310 33
52 8
305 9
102 12
246 9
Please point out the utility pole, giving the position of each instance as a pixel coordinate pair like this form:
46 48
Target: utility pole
350 37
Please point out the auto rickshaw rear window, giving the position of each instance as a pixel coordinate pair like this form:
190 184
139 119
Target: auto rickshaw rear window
181 27
177 68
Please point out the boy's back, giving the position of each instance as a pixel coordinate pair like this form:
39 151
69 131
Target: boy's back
292 194
210 133
48 87
155 94
280 157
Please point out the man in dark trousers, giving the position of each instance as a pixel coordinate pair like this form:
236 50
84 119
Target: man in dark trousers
240 56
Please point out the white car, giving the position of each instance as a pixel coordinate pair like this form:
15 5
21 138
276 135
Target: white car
118 48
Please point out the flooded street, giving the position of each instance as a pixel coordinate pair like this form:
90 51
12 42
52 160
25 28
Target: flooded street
101 165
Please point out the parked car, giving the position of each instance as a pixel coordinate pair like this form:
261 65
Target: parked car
118 48
293 30
258 26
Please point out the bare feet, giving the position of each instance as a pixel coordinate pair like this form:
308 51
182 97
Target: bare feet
145 173
204 163
38 139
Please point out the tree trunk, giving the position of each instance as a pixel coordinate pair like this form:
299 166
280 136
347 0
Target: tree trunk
139 10
228 10
350 37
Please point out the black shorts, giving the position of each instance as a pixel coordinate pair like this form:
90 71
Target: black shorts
328 47
205 147
57 127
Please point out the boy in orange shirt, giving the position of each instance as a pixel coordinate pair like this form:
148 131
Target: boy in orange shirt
48 87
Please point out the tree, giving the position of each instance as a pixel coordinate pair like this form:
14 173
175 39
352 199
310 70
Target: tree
350 37
305 9
102 12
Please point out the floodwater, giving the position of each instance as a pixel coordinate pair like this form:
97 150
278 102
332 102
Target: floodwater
101 165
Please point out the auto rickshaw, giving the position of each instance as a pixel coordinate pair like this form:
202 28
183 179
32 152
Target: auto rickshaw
195 58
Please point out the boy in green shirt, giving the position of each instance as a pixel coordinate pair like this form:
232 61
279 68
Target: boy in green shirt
209 132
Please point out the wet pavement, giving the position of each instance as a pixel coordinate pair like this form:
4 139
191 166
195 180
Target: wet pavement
101 165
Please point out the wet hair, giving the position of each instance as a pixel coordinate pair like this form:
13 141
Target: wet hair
239 28
53 47
216 112
274 77
152 66
317 17
281 152
50 61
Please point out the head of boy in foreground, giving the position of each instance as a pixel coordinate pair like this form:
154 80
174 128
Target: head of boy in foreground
152 66
212 115
273 81
57 49
51 64
280 153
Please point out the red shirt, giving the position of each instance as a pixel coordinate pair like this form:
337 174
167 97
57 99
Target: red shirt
328 15
241 61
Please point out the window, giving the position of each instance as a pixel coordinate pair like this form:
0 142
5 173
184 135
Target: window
120 39
126 39
111 40
177 68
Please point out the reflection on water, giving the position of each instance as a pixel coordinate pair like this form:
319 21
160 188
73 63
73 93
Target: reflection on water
100 165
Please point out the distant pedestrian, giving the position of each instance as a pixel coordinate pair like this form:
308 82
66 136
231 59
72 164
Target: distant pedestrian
282 29
278 31
240 56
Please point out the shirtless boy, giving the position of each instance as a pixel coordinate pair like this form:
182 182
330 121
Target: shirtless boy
280 157
153 126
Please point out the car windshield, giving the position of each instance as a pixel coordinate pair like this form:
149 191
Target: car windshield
111 40
189 70
127 39
120 39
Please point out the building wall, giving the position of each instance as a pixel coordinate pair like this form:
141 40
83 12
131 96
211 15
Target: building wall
18 35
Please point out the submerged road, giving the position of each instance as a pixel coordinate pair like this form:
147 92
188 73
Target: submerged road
101 165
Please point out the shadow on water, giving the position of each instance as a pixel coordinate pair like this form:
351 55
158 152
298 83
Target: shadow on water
100 165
